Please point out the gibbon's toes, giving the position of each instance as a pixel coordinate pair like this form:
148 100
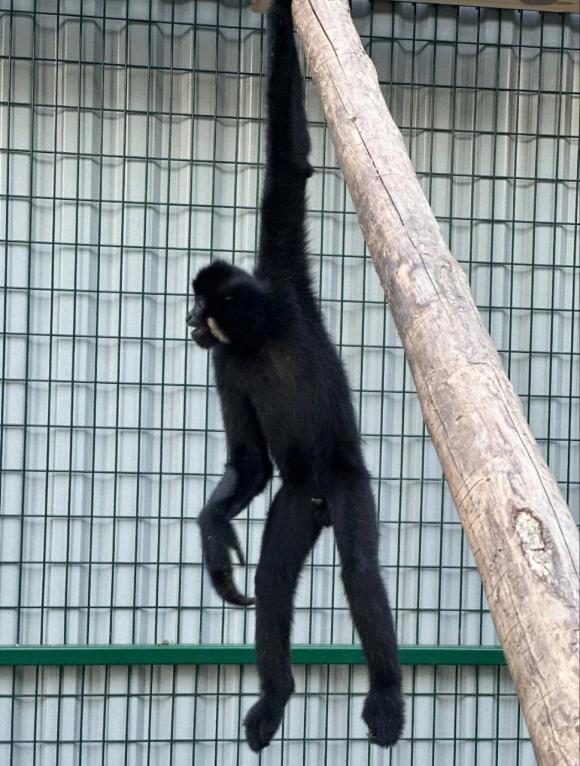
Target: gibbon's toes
384 714
262 722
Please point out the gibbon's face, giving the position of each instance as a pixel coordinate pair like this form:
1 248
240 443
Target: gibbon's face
222 297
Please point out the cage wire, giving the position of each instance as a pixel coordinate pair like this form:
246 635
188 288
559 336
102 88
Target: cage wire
131 149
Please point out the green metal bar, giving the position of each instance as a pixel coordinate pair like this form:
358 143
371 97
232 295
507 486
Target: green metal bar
235 654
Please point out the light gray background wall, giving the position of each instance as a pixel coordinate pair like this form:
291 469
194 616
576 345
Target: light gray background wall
129 157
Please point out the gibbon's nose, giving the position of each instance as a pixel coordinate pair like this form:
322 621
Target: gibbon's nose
191 319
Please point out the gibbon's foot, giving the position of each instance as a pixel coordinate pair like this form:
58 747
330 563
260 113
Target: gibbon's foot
262 722
384 714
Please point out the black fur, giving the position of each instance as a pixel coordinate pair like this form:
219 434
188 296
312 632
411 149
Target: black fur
285 398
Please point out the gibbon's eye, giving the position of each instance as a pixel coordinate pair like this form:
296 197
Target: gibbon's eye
228 298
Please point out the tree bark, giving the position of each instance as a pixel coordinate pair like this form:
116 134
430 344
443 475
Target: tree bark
520 530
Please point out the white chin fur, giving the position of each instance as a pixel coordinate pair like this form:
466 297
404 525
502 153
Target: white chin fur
216 332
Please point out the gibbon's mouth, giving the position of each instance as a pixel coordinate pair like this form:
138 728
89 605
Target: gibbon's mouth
200 334
207 333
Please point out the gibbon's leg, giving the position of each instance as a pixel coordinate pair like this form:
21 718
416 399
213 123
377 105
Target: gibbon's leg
291 530
353 516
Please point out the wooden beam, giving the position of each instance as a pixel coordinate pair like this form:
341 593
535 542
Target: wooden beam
520 530
551 6
543 6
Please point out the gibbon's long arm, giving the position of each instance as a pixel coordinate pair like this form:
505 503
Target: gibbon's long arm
282 244
248 469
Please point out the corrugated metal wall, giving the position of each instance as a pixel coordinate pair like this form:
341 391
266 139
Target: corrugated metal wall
130 138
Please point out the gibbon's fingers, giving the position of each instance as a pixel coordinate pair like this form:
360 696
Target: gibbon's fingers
223 583
235 546
218 538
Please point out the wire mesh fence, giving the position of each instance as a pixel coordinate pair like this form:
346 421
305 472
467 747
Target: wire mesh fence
131 138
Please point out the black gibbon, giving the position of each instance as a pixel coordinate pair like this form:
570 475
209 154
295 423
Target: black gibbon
285 398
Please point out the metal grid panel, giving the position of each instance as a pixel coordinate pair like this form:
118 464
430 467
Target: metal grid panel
180 715
131 143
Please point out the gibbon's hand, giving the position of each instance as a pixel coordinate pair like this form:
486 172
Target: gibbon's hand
218 538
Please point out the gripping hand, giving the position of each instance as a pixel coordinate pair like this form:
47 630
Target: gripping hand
218 538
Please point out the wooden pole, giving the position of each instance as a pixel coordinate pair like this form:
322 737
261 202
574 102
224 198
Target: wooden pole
519 528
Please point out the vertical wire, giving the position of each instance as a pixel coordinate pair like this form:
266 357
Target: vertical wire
519 741
193 106
50 352
531 356
246 539
71 440
7 232
495 119
93 449
496 699
323 211
311 556
514 192
106 688
423 431
170 563
97 314
443 493
532 268
11 98
237 180
234 230
403 394
475 177
422 469
340 341
7 239
164 349
114 520
361 373
569 482
29 301
208 368
72 391
164 338
211 255
383 372
454 136
554 238
495 128
81 475
381 405
156 673
322 215
260 89
184 429
141 476
7 236
117 391
25 426
382 433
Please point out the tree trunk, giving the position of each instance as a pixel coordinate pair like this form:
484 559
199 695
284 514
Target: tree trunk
520 530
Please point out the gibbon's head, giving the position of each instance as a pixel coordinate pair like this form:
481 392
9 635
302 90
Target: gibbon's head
229 308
